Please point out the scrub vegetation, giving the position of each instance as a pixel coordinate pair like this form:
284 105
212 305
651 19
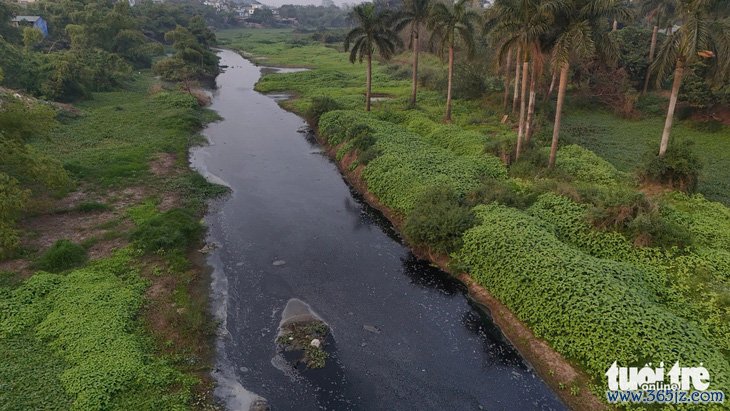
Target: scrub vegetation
103 300
600 261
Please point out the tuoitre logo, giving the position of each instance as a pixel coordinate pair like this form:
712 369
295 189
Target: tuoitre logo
648 378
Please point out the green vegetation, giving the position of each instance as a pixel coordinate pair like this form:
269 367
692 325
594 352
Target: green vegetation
625 142
599 268
298 336
61 256
174 229
75 342
82 340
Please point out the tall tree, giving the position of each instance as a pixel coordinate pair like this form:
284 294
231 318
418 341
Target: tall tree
414 15
452 24
373 33
660 12
520 24
700 38
581 34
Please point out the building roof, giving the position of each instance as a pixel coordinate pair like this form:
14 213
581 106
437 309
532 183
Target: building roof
31 19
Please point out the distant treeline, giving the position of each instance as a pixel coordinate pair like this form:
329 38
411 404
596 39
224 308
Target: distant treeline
94 45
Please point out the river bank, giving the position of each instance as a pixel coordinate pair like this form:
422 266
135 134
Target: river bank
568 381
131 213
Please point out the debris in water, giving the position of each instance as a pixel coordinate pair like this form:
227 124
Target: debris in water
371 328
303 331
208 247
277 263
259 405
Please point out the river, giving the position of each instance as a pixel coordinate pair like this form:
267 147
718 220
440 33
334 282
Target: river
405 334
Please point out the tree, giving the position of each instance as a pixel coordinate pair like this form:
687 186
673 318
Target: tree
31 37
582 33
520 25
451 24
414 14
699 39
373 33
661 12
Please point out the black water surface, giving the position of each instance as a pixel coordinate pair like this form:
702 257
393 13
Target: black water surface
406 335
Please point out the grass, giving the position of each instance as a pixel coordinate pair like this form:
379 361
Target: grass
625 142
93 338
115 137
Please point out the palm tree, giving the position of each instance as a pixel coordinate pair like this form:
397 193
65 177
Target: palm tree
581 34
414 14
521 23
373 33
700 38
661 13
451 23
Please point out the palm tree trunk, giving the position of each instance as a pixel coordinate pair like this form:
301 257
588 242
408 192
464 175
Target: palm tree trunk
516 95
553 80
523 103
678 73
368 82
414 88
558 113
507 79
447 118
652 50
531 105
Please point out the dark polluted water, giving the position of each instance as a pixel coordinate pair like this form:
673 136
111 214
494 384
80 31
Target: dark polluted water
404 334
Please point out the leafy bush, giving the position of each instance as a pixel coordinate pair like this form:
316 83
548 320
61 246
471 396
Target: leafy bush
171 230
506 192
61 256
438 220
679 168
175 99
319 106
592 310
458 140
584 165
652 105
85 330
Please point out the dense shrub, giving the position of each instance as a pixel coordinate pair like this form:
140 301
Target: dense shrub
171 230
173 99
679 168
319 106
438 220
407 163
652 104
592 310
61 256
634 53
85 328
585 165
506 192
458 140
